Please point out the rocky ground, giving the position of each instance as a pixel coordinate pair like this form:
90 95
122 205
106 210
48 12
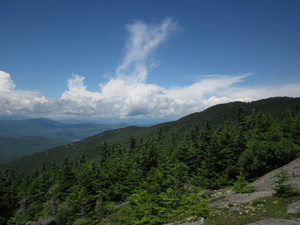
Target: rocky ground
276 222
263 188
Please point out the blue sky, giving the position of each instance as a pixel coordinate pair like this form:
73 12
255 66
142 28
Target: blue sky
144 59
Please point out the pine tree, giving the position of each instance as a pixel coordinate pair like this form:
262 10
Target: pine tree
65 179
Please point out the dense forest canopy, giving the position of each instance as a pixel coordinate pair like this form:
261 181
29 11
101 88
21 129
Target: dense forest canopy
152 175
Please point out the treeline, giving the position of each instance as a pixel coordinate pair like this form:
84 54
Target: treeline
155 180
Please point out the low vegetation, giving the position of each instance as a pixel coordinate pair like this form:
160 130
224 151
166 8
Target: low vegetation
275 207
242 186
282 189
237 214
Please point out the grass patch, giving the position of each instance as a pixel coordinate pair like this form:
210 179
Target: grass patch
238 214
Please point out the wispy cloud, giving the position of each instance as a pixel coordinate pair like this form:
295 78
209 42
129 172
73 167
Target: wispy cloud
143 41
127 94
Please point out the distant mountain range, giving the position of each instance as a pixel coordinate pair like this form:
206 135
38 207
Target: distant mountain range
52 129
23 137
91 147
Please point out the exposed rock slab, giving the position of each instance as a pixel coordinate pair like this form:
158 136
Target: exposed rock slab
188 223
240 198
263 186
294 207
266 182
276 222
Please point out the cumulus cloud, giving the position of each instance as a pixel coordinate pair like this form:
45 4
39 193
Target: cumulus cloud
127 94
14 101
77 91
120 99
6 84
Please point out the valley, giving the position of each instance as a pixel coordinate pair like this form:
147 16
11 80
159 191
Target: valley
24 137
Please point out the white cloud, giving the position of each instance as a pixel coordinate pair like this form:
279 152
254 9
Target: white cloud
17 101
6 84
77 91
143 41
128 95
205 87
291 90
120 99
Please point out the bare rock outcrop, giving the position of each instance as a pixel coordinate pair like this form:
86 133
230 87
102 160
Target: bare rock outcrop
266 182
276 222
263 186
294 207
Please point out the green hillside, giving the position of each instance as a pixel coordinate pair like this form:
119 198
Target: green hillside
216 116
153 175
17 147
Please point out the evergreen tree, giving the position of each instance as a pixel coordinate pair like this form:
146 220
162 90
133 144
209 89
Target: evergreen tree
267 149
65 179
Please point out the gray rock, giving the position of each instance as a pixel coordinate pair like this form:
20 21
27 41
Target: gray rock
32 223
193 223
272 221
188 223
294 207
240 198
266 182
264 187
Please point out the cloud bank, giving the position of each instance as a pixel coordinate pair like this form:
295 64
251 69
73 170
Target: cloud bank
128 95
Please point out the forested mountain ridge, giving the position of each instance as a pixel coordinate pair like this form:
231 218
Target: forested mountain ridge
216 116
138 175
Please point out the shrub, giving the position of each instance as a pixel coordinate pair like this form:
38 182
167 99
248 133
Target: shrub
243 186
282 189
